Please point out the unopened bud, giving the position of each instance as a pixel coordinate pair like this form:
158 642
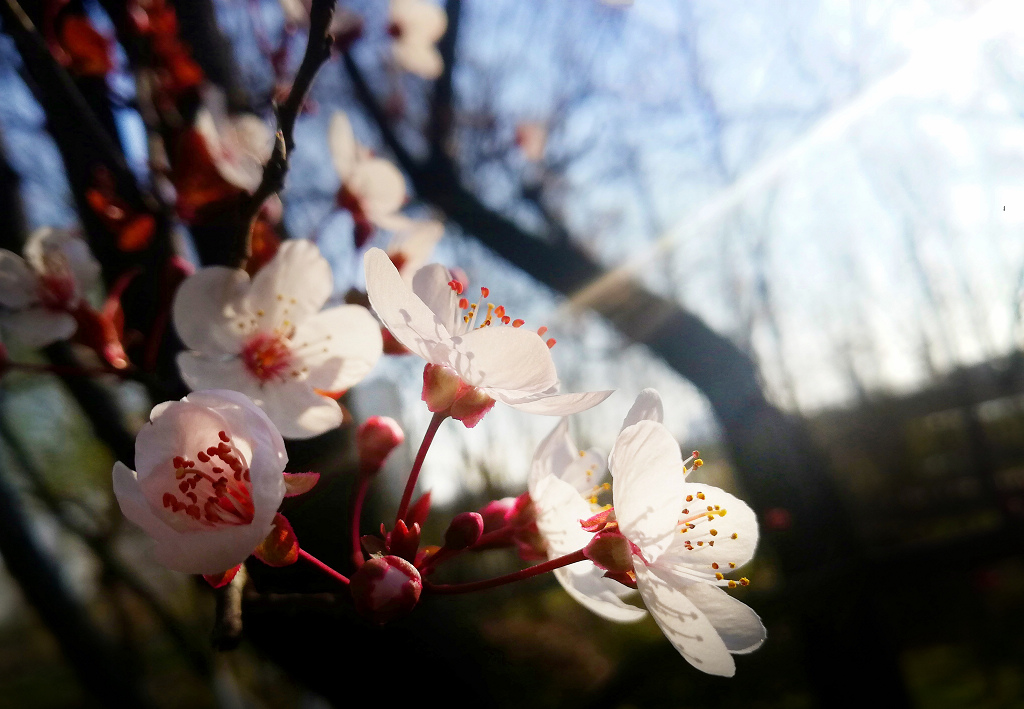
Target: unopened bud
495 514
385 588
464 531
375 439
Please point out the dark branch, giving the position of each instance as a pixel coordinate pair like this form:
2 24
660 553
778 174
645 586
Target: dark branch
318 51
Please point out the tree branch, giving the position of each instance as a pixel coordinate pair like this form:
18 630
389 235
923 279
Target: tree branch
318 51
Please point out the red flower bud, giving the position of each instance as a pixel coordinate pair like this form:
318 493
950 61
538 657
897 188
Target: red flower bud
375 440
464 531
385 588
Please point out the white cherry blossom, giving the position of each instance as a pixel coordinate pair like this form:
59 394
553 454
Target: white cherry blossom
491 360
269 339
209 481
40 293
564 484
416 25
239 144
685 537
372 189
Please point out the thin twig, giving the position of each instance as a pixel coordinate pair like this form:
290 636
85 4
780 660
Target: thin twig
318 51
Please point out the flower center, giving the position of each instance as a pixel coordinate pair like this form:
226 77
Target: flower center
213 488
266 355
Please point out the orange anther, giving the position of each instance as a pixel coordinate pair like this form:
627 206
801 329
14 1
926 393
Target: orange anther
518 323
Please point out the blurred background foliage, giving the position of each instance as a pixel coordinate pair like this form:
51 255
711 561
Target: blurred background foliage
800 221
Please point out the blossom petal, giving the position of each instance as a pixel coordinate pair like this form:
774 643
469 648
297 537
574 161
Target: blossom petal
294 285
558 404
728 516
342 141
133 503
74 249
554 454
423 60
736 623
647 484
423 21
38 327
430 284
298 411
339 345
207 310
379 185
647 407
504 358
406 316
201 372
685 626
19 285
559 511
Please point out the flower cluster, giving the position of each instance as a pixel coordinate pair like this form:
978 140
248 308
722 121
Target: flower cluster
211 467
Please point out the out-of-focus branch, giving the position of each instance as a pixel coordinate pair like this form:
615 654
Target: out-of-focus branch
91 655
98 541
318 51
227 624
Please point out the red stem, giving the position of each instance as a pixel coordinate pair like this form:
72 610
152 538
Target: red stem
507 578
357 510
303 554
410 485
502 536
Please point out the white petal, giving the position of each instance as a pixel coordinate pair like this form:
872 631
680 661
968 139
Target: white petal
738 519
208 312
413 241
737 624
215 551
647 407
503 358
554 454
339 345
343 145
38 327
292 286
72 248
430 284
685 626
133 503
588 587
183 428
295 12
201 372
423 60
405 315
379 185
298 411
19 285
647 484
557 404
422 21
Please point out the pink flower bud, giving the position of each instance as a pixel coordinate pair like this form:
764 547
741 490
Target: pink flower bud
464 531
375 439
496 513
385 588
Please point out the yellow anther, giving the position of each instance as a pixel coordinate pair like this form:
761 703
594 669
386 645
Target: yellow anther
582 453
732 564
719 576
700 495
732 584
697 463
714 565
744 581
260 313
717 507
734 535
711 517
689 498
710 508
714 532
